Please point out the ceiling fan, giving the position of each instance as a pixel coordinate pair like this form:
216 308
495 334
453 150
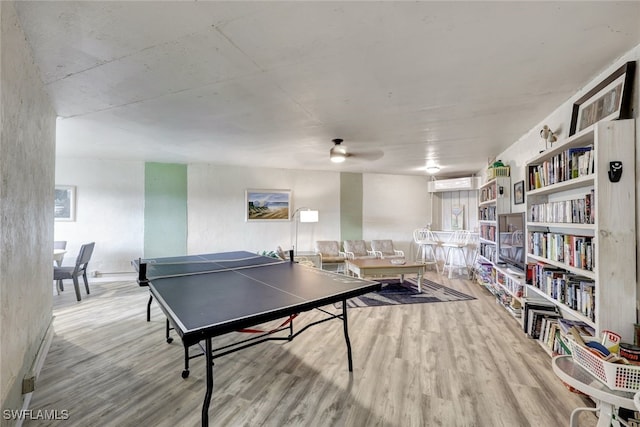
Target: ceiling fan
339 153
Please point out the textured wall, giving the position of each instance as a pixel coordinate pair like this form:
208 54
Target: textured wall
109 211
27 149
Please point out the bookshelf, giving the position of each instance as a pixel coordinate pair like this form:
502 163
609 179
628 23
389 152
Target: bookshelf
580 228
494 198
506 286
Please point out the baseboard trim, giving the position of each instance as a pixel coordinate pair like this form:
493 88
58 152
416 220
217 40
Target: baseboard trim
30 379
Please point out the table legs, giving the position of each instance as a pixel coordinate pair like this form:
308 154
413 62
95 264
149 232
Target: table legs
207 397
346 334
208 353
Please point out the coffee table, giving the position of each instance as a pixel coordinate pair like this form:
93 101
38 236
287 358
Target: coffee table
381 266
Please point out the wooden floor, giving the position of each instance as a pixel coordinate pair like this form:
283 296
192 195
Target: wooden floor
447 364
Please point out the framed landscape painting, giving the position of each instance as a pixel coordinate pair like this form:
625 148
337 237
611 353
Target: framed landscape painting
65 203
267 205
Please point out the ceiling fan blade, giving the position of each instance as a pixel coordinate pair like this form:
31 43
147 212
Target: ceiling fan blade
366 155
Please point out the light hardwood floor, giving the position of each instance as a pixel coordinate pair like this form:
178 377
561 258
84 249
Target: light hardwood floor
442 364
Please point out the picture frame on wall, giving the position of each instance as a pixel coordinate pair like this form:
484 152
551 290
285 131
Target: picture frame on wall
267 205
609 100
518 193
457 217
65 203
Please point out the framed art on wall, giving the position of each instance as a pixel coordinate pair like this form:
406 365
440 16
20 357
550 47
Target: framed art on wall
609 100
65 203
267 205
518 193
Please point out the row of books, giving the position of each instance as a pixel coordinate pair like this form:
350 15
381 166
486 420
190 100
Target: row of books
572 290
488 232
516 287
569 164
576 211
543 322
487 250
487 213
488 193
556 330
572 250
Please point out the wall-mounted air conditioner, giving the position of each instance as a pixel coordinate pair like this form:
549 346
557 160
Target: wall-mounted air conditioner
453 184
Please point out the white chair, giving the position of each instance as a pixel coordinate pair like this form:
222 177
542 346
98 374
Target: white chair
357 249
428 244
385 249
458 244
517 244
331 257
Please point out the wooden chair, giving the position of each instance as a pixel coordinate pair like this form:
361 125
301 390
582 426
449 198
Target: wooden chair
79 269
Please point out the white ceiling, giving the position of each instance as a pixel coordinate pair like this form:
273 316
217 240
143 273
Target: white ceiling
270 84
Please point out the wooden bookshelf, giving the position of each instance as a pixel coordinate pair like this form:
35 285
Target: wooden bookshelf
609 222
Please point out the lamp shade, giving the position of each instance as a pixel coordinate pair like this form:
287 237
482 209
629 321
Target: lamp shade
308 216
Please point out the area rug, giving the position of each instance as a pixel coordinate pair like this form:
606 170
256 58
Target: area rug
394 293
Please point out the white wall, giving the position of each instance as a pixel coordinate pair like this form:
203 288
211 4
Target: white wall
109 211
393 207
216 211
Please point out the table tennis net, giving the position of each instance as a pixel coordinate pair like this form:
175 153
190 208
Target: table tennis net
158 269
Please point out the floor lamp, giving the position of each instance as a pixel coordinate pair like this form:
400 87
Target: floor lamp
304 215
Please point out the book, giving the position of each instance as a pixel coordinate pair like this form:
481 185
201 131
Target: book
535 320
584 328
534 304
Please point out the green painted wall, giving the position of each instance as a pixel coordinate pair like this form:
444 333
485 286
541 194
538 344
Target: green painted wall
350 206
165 210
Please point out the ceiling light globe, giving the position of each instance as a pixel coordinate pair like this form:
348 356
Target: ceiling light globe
337 157
432 169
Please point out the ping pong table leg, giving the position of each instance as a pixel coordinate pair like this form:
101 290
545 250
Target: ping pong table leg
149 307
166 333
346 333
207 396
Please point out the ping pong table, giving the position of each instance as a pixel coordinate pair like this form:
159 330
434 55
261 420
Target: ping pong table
209 295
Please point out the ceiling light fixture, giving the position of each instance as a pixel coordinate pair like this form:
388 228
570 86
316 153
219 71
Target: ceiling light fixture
432 169
338 154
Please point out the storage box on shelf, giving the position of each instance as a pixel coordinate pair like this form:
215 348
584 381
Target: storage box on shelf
581 227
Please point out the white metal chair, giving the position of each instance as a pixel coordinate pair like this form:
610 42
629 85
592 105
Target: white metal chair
459 243
428 244
517 244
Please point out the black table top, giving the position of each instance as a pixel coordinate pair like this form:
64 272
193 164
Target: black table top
241 289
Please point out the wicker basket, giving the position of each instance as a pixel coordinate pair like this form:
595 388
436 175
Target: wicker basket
498 171
614 375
